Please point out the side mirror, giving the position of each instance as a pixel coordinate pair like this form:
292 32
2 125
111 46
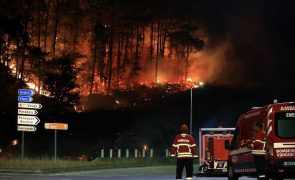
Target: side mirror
226 144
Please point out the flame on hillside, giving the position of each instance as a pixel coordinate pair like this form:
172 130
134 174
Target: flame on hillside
172 71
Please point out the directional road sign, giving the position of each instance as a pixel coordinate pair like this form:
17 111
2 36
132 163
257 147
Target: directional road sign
57 126
26 128
25 92
30 105
27 111
28 120
25 99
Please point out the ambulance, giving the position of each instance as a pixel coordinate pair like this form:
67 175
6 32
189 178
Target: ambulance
211 142
278 122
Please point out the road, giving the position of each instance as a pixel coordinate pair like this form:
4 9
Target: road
139 173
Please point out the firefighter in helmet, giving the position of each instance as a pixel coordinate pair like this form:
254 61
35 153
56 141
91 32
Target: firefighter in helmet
184 149
258 147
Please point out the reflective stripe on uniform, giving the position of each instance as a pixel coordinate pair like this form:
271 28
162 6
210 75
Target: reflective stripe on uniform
262 152
185 153
257 140
186 156
182 144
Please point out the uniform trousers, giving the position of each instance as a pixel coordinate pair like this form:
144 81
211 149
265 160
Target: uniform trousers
188 164
260 163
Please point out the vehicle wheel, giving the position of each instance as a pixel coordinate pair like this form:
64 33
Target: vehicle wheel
231 174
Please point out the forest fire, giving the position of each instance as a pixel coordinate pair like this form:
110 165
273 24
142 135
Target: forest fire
73 51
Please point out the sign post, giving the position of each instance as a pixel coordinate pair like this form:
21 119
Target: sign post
26 115
26 128
55 144
55 127
29 105
27 112
25 92
28 120
25 99
23 144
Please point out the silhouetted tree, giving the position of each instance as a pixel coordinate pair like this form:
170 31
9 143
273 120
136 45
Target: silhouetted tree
59 79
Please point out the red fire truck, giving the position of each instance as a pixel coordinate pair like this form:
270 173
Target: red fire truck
212 154
278 121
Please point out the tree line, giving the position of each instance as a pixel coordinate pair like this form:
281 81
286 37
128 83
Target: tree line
96 44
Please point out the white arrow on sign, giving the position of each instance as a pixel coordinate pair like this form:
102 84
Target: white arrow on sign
27 111
29 120
30 105
27 128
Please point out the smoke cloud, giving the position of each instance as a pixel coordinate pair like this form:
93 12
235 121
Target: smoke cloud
212 65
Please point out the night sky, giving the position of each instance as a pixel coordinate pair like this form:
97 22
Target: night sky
261 34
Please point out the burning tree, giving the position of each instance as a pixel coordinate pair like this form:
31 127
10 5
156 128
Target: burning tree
123 42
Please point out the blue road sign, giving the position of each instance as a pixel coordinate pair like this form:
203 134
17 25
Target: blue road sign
25 99
25 92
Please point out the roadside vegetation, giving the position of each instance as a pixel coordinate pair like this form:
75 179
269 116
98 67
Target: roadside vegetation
46 164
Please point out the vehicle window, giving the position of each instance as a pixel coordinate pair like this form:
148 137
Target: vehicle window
285 123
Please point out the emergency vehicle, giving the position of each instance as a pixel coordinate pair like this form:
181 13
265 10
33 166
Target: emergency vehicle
211 143
278 122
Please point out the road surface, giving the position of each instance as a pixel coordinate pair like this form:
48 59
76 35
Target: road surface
138 173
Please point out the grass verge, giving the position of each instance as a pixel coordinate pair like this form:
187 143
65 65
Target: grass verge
44 164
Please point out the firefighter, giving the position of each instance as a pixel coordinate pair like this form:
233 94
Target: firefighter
206 163
258 147
184 148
